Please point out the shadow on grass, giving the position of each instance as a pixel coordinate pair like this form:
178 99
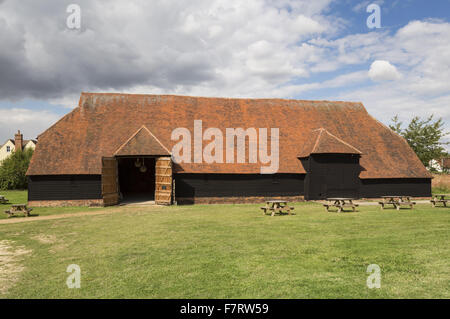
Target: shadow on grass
21 215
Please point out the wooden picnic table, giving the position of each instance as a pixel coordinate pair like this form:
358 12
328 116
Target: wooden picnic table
397 201
340 203
440 198
18 208
277 206
3 200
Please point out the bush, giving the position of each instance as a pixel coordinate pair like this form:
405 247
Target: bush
13 170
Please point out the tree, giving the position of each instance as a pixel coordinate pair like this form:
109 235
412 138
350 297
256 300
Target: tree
13 170
424 136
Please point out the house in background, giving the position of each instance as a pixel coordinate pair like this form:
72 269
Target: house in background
440 165
17 143
446 163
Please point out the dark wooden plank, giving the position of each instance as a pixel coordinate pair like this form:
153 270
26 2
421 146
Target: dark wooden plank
110 181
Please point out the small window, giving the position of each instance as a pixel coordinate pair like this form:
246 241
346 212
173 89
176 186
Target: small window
8 149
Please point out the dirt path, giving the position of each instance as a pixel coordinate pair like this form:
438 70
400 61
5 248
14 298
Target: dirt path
10 264
106 211
50 217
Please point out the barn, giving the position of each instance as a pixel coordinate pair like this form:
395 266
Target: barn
116 147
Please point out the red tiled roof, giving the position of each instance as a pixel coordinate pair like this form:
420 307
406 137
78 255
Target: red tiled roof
321 141
143 142
103 122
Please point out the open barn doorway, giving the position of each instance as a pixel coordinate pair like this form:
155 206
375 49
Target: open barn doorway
136 179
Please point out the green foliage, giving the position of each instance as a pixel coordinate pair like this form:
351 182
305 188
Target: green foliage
13 170
424 136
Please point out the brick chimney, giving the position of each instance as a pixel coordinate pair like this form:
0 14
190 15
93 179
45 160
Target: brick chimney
18 141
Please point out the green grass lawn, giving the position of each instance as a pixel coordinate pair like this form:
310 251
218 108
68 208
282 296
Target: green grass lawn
233 251
20 197
440 190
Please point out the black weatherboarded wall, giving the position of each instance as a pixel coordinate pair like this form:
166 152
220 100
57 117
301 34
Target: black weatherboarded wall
85 187
64 187
238 185
416 187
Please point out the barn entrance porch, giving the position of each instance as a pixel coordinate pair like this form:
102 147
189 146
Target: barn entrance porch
137 180
140 170
331 165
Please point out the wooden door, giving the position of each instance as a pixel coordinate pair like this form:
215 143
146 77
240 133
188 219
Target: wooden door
333 175
163 181
110 183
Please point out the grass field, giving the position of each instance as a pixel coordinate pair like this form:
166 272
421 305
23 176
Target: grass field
20 197
441 183
229 251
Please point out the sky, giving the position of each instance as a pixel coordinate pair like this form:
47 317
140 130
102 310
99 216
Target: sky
299 49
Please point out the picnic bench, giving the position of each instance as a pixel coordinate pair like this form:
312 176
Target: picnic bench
277 206
340 203
440 198
397 201
17 209
3 200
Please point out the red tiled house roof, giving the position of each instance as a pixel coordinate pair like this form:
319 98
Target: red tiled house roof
104 122
446 163
321 141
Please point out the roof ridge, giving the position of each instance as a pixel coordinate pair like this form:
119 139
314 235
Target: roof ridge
87 94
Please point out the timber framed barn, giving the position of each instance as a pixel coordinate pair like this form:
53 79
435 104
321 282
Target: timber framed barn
116 146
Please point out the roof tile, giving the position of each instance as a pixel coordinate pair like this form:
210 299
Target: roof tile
103 122
143 142
323 142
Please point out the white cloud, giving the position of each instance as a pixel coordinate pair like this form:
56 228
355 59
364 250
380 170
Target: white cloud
383 103
381 70
233 48
420 50
214 48
30 122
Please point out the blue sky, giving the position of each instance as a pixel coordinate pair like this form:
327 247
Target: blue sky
319 49
394 15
